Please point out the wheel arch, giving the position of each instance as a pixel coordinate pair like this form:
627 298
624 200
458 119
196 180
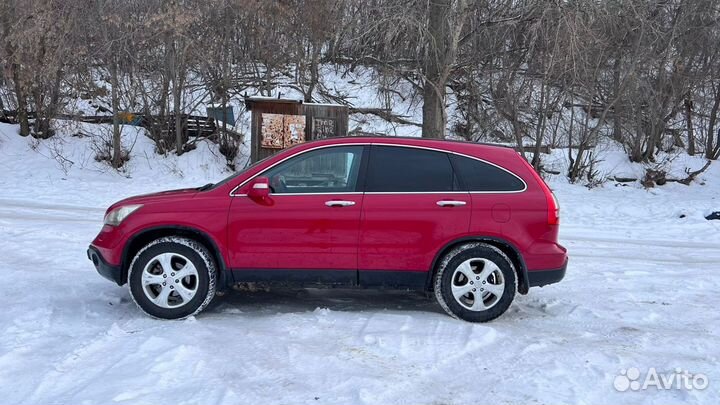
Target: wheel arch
147 235
506 247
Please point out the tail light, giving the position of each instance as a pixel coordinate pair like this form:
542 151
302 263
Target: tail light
553 208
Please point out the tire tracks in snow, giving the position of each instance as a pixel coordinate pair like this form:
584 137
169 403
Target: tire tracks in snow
42 206
639 242
76 374
14 211
629 257
658 251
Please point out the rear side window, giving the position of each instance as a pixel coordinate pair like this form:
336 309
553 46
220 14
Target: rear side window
480 176
400 169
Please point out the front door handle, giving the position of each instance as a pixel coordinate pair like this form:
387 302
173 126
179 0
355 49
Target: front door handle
451 203
339 203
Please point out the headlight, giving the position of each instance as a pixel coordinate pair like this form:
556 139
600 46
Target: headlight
116 216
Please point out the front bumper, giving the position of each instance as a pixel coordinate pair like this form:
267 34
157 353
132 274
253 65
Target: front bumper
539 278
105 269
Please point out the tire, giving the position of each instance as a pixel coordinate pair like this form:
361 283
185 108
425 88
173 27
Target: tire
491 276
172 278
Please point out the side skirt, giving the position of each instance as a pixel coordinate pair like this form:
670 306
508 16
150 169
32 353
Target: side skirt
373 279
394 280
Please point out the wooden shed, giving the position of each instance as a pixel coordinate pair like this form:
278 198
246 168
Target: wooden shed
280 123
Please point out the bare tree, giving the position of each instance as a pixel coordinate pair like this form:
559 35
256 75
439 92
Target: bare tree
571 74
38 35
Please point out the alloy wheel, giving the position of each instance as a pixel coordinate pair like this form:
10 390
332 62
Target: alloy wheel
477 284
170 280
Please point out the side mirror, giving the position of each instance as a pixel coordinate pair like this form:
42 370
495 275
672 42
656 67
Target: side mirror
260 189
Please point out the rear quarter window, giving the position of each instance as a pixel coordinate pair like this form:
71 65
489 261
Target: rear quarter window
476 175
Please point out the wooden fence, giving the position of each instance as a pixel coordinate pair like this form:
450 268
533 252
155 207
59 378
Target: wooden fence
192 125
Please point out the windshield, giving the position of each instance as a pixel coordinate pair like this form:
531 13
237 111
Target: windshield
227 179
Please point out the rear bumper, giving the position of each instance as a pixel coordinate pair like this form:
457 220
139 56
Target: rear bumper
105 269
539 278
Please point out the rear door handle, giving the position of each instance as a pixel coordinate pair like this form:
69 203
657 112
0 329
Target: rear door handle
339 203
451 203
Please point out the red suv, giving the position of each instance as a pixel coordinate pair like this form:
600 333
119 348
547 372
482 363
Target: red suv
474 223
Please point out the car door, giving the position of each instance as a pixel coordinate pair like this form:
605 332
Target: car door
309 226
410 210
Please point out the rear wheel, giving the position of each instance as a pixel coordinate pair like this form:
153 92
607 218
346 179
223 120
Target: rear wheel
172 278
475 282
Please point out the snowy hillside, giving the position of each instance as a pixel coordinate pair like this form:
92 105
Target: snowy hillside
640 291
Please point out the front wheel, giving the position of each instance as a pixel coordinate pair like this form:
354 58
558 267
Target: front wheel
475 282
172 278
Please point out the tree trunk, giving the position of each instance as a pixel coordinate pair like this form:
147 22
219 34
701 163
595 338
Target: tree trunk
654 139
22 115
539 129
710 144
178 70
636 150
690 131
433 125
617 120
165 90
570 141
574 171
314 74
177 94
115 100
224 112
53 106
39 104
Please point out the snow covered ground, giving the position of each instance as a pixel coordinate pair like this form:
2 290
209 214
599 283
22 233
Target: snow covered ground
641 291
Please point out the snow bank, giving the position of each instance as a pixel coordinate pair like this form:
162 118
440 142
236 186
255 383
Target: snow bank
66 163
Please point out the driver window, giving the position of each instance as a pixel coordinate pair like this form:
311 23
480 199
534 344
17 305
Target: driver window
327 170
